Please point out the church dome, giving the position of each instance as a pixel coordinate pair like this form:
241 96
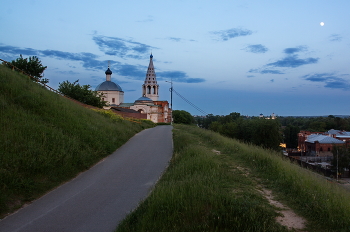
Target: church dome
108 71
108 86
144 100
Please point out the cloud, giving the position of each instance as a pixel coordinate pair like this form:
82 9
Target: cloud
265 71
175 39
232 33
256 48
269 71
179 76
330 80
148 19
127 70
295 50
18 51
293 62
90 61
335 38
115 46
272 80
67 72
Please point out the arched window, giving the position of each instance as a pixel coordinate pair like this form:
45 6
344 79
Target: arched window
148 89
154 90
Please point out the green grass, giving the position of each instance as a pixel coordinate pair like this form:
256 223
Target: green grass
204 191
46 139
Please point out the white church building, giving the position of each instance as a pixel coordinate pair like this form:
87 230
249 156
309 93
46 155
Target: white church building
148 106
112 92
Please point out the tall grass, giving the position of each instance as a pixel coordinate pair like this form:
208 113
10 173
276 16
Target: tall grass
46 139
200 191
204 191
325 205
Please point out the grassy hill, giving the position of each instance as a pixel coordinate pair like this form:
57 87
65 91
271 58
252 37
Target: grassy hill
46 139
219 184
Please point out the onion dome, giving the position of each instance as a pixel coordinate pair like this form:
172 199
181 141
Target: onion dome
108 86
108 71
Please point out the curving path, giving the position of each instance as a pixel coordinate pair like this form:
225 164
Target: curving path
98 199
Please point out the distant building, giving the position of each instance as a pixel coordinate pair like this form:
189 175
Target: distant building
320 144
272 116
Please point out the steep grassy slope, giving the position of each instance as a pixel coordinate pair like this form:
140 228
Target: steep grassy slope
46 139
219 184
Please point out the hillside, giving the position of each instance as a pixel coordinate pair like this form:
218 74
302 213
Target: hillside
219 184
47 139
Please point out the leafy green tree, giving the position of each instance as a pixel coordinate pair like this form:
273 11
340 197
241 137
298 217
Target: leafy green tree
81 93
266 133
182 116
341 158
31 66
291 136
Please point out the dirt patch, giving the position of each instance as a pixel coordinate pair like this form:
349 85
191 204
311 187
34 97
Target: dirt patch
216 152
288 218
245 171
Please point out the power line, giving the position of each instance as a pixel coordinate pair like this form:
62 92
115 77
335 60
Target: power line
190 103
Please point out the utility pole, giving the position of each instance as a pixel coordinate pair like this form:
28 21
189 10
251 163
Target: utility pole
337 164
171 99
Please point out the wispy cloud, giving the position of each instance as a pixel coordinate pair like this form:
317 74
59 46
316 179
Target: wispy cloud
295 50
232 33
179 76
175 39
121 47
335 38
18 51
265 71
256 48
330 80
148 19
293 62
91 62
131 71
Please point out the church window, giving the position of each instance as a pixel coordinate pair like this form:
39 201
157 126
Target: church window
154 90
113 100
148 89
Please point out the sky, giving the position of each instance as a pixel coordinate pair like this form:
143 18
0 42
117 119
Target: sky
290 58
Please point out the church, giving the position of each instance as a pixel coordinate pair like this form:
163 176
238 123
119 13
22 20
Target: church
148 106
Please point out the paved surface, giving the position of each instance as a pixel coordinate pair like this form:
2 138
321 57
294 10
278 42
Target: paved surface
98 199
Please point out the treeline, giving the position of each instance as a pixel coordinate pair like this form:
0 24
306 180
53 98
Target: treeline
269 133
317 124
258 131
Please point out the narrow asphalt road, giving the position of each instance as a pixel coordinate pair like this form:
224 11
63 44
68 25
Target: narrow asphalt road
98 199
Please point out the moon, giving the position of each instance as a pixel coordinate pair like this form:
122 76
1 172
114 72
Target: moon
322 24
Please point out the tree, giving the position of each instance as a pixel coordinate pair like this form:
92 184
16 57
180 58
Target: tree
291 136
31 66
81 93
341 158
182 116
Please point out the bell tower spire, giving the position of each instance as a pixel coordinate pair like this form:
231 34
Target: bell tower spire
150 87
